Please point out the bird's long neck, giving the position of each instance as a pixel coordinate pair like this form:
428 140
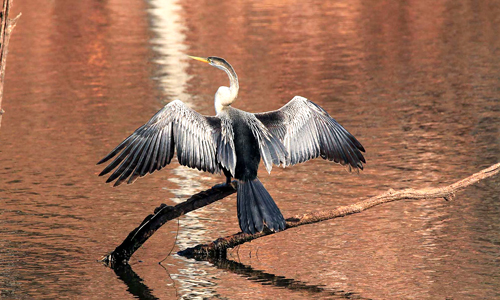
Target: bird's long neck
234 85
225 96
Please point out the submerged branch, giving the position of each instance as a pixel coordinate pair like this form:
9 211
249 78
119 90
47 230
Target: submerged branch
219 247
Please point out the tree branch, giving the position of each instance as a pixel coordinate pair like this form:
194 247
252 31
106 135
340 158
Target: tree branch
6 27
162 215
219 247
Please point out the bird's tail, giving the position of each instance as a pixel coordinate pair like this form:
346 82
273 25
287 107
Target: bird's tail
256 208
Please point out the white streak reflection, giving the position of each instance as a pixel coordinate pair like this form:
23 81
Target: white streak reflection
196 281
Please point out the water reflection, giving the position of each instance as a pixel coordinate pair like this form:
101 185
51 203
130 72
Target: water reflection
417 83
264 278
135 284
194 281
170 45
137 287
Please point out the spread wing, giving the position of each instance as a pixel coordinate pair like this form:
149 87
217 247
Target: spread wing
308 131
151 146
272 150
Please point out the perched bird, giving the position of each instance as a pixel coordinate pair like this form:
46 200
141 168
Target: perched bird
234 141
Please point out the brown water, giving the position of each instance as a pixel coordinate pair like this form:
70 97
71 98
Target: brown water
417 82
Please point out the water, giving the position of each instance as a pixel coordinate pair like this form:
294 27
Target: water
416 82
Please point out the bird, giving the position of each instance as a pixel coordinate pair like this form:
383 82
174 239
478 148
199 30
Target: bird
234 142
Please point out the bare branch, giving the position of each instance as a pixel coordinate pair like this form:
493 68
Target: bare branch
219 247
162 215
6 27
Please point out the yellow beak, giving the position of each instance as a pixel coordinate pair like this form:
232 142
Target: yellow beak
199 59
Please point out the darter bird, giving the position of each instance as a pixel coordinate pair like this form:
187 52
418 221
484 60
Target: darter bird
234 142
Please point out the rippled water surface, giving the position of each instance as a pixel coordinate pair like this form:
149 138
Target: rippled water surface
417 82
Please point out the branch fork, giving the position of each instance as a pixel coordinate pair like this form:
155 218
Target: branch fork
218 248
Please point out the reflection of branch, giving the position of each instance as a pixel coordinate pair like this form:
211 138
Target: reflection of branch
279 281
219 247
134 283
137 288
162 215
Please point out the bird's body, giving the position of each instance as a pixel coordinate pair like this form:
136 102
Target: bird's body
246 146
234 141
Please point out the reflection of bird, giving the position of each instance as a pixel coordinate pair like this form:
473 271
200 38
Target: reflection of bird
234 141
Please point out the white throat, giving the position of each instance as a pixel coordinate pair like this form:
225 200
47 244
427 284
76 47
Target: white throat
225 97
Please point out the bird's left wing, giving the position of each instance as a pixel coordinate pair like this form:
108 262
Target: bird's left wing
307 131
151 146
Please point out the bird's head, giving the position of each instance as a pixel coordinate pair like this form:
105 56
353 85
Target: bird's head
224 96
219 63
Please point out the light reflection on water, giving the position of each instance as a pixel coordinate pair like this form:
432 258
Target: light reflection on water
194 279
416 82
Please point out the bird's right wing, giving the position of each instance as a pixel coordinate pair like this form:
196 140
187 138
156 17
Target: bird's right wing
307 131
151 146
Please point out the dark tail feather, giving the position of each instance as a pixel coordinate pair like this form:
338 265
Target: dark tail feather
256 208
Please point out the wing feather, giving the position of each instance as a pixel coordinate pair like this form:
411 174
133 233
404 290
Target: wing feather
141 162
125 160
307 131
226 154
162 153
151 147
154 163
271 148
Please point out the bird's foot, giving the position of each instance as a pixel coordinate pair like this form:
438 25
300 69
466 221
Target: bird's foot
233 183
220 185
